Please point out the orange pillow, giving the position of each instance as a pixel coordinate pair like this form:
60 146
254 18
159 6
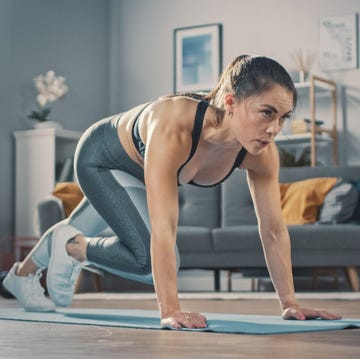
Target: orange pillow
301 200
70 195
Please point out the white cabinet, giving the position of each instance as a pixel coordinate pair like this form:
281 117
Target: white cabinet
38 155
315 89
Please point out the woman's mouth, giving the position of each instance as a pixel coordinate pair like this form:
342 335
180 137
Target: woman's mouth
263 143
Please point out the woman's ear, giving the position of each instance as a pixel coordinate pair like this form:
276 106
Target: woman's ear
229 102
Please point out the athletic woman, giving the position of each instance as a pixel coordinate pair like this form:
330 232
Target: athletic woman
129 167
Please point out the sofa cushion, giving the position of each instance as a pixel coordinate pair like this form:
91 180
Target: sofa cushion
70 194
325 237
319 245
301 200
355 218
312 245
194 239
49 211
291 174
236 238
236 203
199 206
339 203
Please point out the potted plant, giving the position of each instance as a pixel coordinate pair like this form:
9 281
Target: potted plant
50 88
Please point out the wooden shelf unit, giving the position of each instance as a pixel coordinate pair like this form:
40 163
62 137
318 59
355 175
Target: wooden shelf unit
317 134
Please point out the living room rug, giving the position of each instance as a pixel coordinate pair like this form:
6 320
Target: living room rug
146 319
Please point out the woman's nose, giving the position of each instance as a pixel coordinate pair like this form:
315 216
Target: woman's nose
274 128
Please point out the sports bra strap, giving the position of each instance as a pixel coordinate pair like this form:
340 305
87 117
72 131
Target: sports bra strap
199 119
240 157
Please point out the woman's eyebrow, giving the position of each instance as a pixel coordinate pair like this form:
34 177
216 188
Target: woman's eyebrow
274 109
270 107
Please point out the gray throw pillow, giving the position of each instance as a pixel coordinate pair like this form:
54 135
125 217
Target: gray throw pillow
339 204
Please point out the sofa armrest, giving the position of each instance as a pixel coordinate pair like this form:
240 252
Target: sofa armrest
48 212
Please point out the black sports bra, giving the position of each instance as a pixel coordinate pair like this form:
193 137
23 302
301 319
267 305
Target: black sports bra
139 144
196 132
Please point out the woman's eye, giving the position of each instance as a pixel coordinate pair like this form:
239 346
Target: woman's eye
286 117
267 113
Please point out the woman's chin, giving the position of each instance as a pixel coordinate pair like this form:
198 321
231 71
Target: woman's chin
256 150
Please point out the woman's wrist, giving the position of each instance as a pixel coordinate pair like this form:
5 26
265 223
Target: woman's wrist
167 312
289 304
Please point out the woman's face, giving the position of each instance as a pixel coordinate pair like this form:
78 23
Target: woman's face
258 119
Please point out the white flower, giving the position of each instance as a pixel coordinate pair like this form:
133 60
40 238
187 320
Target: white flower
50 87
42 100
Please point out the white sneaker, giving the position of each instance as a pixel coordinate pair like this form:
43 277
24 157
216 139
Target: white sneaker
63 270
28 290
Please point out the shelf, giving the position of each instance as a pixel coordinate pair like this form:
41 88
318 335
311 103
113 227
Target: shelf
316 81
316 86
301 138
307 85
302 85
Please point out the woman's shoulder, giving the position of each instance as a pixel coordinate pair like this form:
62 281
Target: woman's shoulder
168 123
160 109
175 104
173 112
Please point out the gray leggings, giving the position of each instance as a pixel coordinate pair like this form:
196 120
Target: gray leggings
114 212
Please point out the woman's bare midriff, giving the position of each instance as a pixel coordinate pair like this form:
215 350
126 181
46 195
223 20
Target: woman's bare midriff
125 125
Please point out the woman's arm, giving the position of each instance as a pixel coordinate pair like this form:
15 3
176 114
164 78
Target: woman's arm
264 187
166 151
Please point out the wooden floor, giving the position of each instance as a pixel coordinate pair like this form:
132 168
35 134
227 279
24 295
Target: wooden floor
45 340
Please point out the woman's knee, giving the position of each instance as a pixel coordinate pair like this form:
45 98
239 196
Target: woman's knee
144 265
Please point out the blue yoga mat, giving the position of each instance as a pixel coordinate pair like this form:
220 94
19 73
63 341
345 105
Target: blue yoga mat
146 319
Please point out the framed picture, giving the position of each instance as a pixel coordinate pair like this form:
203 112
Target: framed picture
338 42
197 57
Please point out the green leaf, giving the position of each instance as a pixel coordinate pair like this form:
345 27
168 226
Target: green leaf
41 115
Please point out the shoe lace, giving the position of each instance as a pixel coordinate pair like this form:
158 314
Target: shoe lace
34 284
79 266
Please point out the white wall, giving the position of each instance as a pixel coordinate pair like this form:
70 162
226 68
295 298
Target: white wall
142 46
72 37
68 36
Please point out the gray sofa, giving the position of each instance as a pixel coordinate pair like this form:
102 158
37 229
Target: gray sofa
218 229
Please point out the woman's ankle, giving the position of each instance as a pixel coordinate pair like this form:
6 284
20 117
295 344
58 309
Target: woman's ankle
76 248
24 269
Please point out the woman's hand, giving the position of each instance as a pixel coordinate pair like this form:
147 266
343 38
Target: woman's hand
179 319
299 313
